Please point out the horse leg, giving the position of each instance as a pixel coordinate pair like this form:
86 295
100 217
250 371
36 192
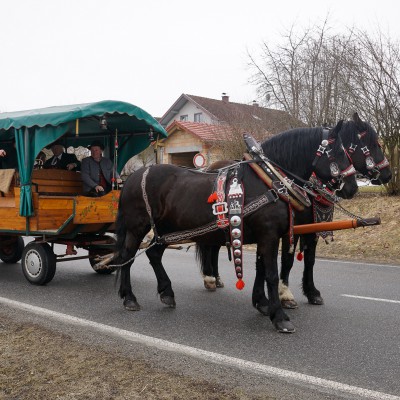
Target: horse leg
207 256
268 252
128 247
130 302
214 263
164 287
125 291
310 291
259 299
287 259
208 267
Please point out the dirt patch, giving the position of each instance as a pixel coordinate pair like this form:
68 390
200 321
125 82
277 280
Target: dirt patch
379 243
375 244
37 363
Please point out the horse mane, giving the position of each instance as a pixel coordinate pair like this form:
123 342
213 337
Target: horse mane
294 149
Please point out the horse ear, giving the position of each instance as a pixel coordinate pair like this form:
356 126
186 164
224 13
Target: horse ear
335 131
357 119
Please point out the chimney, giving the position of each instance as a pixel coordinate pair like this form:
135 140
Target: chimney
255 104
225 98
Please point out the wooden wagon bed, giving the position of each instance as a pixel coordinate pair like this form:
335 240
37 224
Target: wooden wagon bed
59 206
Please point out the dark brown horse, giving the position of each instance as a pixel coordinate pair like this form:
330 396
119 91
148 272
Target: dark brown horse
172 199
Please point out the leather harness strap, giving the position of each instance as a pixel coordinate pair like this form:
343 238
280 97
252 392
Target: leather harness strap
220 207
235 207
270 183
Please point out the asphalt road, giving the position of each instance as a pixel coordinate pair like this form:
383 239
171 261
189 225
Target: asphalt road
352 340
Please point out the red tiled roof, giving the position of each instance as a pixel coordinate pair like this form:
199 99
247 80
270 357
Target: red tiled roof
250 116
224 111
205 132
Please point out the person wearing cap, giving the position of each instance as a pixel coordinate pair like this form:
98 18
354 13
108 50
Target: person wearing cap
61 160
97 171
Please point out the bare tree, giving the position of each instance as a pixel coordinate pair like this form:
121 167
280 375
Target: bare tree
375 85
319 77
143 159
260 122
306 76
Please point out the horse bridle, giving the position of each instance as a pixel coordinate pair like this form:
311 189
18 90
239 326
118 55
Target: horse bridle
374 169
338 176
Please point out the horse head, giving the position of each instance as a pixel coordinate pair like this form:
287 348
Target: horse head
333 166
361 141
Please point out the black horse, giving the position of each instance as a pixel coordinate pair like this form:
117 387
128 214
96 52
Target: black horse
172 199
361 141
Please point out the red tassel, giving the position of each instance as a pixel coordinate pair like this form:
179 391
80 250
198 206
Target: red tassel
212 198
300 256
240 284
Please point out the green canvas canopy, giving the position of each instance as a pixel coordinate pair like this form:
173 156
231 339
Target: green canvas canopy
117 124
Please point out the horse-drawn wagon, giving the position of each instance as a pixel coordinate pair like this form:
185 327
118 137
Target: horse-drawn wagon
48 204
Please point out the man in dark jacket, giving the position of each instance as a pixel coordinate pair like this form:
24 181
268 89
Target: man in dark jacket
8 157
97 171
62 160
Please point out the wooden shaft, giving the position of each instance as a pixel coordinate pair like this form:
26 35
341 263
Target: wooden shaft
334 225
266 179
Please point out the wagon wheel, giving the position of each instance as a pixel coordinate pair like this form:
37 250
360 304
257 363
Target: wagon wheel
95 251
38 263
12 253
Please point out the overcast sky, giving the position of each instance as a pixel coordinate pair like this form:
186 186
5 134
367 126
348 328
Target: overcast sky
149 52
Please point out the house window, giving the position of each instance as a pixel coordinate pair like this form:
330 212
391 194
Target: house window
183 117
198 117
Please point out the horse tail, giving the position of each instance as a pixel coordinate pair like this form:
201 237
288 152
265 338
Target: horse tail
201 258
207 257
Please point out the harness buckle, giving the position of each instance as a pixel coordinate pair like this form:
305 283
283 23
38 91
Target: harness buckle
223 205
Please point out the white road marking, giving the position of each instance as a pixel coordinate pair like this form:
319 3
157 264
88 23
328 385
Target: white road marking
295 377
371 298
359 263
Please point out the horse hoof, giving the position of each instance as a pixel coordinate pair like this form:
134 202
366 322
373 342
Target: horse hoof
131 305
212 287
284 327
210 283
219 282
316 301
289 304
168 300
264 310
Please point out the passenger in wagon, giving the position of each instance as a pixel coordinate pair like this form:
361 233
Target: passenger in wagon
97 172
8 157
62 160
39 160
